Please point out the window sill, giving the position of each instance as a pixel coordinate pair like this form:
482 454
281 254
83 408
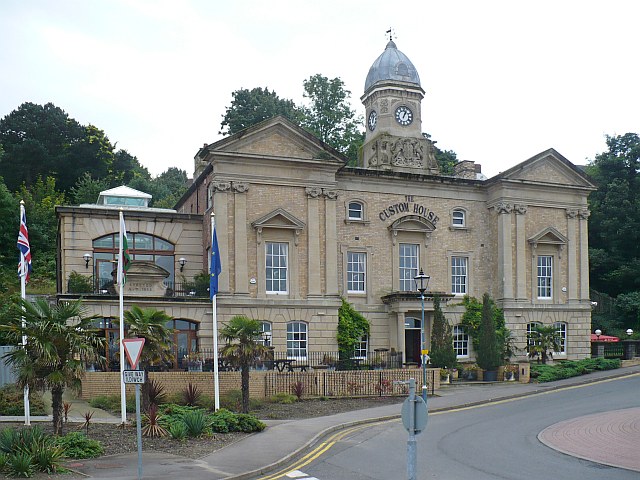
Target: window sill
353 220
455 228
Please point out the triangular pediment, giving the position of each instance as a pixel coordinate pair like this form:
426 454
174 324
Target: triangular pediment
279 138
549 168
412 223
279 218
549 236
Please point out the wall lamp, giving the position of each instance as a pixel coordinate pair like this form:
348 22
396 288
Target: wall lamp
182 261
87 257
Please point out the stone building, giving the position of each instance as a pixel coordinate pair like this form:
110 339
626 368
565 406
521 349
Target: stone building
298 229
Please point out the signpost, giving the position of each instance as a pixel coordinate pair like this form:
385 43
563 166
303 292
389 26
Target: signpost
133 350
414 419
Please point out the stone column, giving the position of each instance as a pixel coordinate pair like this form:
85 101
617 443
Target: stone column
220 208
505 262
572 254
330 242
313 250
583 215
521 254
240 246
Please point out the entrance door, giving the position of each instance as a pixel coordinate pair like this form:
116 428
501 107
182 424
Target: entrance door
412 339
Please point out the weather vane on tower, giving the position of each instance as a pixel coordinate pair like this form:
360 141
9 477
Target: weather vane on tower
391 34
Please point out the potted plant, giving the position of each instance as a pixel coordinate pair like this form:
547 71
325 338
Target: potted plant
510 372
194 362
445 376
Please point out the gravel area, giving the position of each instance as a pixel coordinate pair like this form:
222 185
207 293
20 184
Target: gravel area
117 440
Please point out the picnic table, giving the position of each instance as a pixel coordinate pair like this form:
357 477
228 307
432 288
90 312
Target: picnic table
283 364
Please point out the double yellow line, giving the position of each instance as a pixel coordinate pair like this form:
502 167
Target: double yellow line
336 437
322 448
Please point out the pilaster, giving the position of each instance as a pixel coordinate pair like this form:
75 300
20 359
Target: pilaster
221 209
313 251
240 247
331 242
583 215
521 254
572 254
505 261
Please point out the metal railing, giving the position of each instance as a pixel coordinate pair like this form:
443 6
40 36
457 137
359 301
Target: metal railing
202 360
174 289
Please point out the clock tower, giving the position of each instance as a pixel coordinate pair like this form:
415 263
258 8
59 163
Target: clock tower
392 98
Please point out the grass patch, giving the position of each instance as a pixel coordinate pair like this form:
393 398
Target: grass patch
571 368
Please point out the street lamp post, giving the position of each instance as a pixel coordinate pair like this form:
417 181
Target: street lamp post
422 282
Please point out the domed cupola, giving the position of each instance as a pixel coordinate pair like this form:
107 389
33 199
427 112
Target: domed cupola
392 65
393 104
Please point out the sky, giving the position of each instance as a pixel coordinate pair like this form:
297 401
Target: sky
504 80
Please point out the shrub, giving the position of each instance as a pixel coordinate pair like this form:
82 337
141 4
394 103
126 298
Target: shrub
298 389
8 439
20 465
195 422
47 456
232 400
573 368
151 423
178 430
77 445
80 283
12 401
191 395
283 398
157 394
111 403
248 423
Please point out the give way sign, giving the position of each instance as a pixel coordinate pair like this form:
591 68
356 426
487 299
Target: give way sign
133 349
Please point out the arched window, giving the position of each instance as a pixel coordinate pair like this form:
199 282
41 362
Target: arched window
185 341
297 340
266 334
458 218
142 246
561 328
460 341
531 328
356 211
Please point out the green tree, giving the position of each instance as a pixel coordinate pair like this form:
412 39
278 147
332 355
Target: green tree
150 324
352 327
87 189
542 341
171 185
442 353
614 226
125 168
61 341
9 224
250 107
489 352
243 347
329 115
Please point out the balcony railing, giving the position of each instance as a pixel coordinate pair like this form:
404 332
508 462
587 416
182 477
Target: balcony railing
202 359
177 289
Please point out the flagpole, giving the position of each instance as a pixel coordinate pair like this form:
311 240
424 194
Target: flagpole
120 278
214 300
24 268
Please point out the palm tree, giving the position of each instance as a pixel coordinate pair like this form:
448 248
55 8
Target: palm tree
243 336
542 342
60 341
150 324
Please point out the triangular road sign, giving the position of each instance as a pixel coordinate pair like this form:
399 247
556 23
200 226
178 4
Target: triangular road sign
133 349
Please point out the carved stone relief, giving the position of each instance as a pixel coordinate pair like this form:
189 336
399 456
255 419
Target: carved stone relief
520 208
313 192
240 187
221 186
330 194
584 214
504 208
572 213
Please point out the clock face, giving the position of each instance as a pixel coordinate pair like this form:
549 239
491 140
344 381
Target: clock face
373 120
404 115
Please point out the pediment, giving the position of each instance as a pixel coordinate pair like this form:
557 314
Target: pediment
549 236
412 223
550 168
278 137
279 218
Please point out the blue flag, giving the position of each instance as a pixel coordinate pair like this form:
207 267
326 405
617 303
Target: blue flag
216 266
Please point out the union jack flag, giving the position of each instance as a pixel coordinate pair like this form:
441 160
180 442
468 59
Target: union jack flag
24 265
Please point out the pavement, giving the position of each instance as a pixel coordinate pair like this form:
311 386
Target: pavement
285 441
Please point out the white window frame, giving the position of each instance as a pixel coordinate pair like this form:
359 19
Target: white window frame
359 217
362 348
460 342
544 275
561 328
459 275
530 328
297 340
271 279
408 271
267 333
356 272
458 218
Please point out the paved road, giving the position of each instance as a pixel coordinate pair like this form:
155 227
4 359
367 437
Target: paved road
498 441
